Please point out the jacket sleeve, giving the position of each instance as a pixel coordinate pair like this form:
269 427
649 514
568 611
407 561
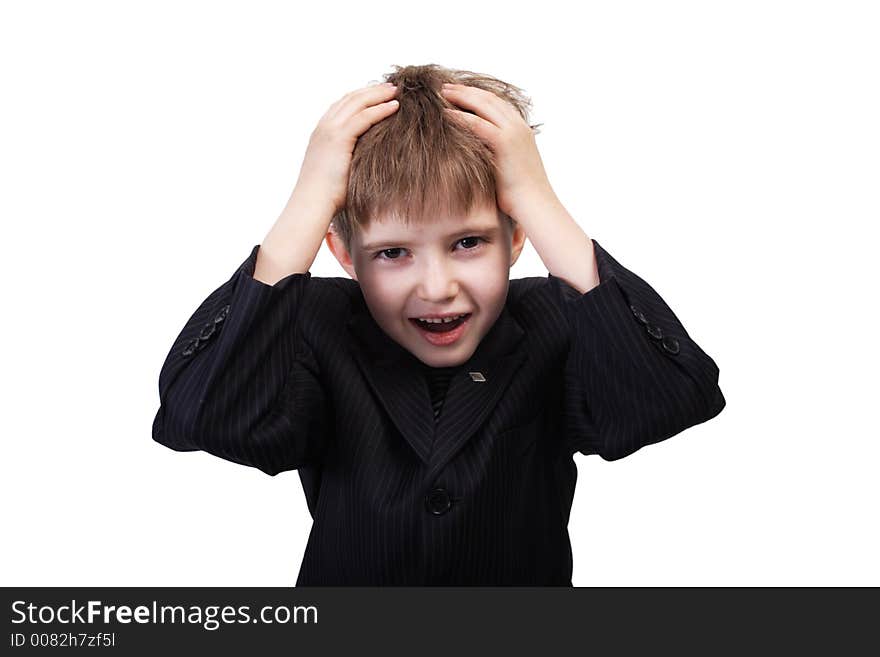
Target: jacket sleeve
240 383
633 376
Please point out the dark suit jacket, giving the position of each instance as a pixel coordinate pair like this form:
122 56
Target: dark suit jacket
299 376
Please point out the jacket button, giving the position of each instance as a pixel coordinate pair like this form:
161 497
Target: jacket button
222 314
670 344
639 314
438 501
207 331
190 348
654 331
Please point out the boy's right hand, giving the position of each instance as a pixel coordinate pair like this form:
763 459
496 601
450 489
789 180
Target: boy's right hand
326 166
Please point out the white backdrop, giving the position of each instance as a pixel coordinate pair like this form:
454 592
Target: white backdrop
725 152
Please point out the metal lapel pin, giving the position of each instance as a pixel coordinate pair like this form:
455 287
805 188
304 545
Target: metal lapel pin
477 376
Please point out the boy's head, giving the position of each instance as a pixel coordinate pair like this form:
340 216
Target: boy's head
421 231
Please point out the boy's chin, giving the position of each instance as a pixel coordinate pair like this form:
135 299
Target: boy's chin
432 356
435 363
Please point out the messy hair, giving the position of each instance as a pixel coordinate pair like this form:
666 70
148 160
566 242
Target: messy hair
418 161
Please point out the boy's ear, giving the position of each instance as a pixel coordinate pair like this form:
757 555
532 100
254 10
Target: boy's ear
337 248
517 242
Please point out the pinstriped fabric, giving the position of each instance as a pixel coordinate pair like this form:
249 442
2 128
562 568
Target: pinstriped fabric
405 488
625 389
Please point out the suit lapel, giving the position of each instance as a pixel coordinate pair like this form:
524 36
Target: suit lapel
468 402
396 377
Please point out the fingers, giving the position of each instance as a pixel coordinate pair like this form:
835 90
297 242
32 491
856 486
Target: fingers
362 108
482 128
486 104
367 117
354 101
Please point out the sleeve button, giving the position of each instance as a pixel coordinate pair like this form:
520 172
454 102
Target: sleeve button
190 348
670 344
654 331
207 331
638 314
222 314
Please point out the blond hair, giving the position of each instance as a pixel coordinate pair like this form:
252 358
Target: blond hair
419 161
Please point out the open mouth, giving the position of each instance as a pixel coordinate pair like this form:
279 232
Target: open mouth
442 333
441 327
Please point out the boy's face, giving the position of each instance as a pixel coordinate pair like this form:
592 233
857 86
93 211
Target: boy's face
453 265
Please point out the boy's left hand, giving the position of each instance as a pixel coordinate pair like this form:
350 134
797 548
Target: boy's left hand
520 178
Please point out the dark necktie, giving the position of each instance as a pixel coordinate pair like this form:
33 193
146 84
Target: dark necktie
438 383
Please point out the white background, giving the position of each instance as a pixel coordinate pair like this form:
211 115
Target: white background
725 152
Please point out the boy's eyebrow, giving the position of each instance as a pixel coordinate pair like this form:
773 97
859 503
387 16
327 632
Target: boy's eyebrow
467 230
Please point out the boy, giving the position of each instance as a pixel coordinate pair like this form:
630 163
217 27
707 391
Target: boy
431 405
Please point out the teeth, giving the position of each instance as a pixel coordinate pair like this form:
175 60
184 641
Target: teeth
441 321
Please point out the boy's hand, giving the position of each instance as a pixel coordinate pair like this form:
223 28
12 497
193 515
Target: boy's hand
326 166
520 178
522 189
293 242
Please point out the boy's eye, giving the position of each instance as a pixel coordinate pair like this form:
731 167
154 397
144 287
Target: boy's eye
393 254
477 242
385 252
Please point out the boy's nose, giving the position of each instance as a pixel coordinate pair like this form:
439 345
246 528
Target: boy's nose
438 285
